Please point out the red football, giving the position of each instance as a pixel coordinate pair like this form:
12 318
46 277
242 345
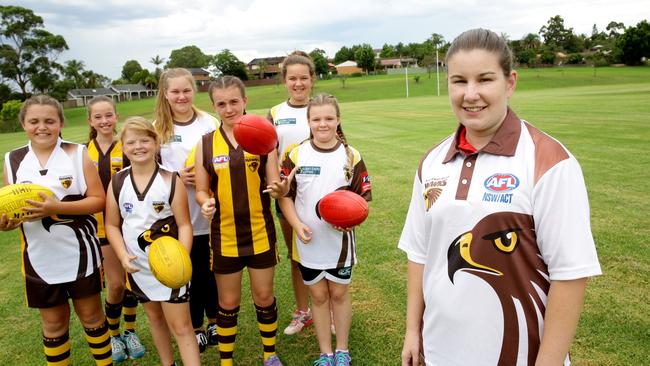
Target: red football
255 134
343 208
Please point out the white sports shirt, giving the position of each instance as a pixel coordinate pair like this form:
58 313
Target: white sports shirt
61 248
492 230
176 152
147 216
321 172
291 125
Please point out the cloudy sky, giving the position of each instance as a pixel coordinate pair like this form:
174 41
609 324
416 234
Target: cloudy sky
105 34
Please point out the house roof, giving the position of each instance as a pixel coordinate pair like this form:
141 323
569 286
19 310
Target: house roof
347 63
130 88
76 93
197 71
269 60
390 62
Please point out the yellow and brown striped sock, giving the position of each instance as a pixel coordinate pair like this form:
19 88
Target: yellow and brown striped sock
57 350
226 334
267 322
113 315
129 304
100 344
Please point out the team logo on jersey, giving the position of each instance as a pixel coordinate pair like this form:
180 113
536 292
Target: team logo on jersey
158 206
252 162
220 162
285 121
116 164
432 190
177 138
66 181
498 186
345 271
128 207
308 170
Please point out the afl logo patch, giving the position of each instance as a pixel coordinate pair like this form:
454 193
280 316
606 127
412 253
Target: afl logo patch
501 182
220 159
128 207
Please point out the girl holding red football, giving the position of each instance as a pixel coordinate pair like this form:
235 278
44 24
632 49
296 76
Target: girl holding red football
145 202
61 255
290 121
231 189
323 164
106 153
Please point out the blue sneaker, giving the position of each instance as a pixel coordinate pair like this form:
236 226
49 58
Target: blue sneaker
119 349
324 360
342 358
133 345
273 361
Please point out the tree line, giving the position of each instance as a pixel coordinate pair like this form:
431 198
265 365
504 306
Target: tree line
29 53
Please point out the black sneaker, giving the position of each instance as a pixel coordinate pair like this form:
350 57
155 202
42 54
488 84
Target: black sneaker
211 333
201 340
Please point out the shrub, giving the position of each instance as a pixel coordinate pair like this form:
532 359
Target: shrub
574 59
9 116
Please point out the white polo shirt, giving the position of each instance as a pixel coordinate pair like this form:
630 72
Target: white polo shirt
492 229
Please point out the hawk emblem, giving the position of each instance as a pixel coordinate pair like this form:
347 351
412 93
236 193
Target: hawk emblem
162 227
430 196
158 206
502 250
66 181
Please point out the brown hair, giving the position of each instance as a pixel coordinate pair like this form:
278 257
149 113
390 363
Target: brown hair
483 39
140 125
225 82
323 99
89 108
298 58
40 100
164 122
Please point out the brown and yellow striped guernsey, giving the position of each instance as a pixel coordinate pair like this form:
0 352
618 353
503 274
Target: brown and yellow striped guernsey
243 223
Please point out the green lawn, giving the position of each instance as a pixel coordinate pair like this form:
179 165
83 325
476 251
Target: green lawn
605 125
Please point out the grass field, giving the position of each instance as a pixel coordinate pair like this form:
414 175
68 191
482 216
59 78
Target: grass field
603 120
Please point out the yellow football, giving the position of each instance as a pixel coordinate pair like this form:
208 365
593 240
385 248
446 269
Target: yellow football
13 198
169 262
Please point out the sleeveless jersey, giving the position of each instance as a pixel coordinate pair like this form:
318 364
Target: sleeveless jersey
291 125
60 248
145 217
321 172
107 164
175 154
243 223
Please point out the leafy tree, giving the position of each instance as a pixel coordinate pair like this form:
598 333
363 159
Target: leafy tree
634 44
437 40
365 57
615 29
320 61
228 64
188 57
5 93
527 57
429 61
129 69
262 65
93 80
343 54
157 61
26 49
531 41
9 116
387 51
400 50
73 70
556 35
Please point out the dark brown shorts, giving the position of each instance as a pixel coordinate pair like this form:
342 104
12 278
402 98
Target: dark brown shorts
42 295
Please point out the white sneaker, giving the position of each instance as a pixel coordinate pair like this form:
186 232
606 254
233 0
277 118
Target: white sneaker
300 319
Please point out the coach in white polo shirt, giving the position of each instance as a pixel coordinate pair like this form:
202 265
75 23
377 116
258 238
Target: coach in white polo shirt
497 234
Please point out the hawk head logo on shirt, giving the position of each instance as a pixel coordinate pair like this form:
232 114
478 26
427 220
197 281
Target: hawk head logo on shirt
432 190
253 162
502 250
158 206
66 181
162 227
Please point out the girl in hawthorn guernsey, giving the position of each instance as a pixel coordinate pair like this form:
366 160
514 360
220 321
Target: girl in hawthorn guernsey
290 121
497 234
61 256
230 186
325 163
106 154
146 201
181 125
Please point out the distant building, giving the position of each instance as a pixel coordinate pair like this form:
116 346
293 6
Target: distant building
396 63
271 66
80 97
202 78
348 68
132 91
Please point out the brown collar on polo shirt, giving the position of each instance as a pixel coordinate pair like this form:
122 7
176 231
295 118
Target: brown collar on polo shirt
504 141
